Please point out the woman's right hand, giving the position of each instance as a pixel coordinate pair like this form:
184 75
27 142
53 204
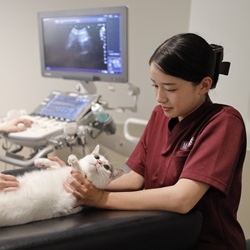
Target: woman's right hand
8 183
85 192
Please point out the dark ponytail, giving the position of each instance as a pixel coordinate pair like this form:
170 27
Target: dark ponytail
190 57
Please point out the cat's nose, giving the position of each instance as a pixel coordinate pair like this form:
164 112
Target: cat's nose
99 161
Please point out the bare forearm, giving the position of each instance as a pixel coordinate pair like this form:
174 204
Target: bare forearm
127 182
180 198
151 199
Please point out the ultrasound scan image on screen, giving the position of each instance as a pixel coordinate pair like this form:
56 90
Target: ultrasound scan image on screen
79 46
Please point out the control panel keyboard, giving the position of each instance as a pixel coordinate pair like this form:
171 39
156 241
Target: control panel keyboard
42 129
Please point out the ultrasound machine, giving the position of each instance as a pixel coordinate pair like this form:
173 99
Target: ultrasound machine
86 45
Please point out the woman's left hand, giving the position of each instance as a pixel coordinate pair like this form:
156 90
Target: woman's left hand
8 183
85 192
58 160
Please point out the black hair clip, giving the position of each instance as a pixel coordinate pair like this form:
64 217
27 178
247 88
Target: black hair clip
222 67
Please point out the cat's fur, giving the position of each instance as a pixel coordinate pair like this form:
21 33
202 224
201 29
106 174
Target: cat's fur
41 194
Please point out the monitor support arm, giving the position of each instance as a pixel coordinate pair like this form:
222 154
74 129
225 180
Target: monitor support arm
90 88
86 87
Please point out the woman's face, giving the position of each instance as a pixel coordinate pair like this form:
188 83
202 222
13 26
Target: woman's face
177 97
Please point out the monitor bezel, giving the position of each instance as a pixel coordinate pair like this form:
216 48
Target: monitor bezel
87 76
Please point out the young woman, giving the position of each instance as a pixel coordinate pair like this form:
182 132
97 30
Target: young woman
191 153
8 182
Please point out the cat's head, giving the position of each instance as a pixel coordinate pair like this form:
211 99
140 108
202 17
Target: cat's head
98 169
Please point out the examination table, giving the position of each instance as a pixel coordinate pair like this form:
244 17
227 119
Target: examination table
105 229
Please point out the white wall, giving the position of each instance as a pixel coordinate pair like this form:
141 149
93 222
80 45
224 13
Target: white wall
226 22
150 22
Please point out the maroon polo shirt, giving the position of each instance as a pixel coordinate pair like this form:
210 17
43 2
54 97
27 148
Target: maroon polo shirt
208 146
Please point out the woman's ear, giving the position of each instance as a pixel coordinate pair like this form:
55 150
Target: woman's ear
205 85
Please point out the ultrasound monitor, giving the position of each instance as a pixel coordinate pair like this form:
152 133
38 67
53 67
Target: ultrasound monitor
84 44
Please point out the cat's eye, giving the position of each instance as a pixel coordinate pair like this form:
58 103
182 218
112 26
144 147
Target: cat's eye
107 167
97 157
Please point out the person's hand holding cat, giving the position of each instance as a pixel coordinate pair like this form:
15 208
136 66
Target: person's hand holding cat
85 192
8 183
58 160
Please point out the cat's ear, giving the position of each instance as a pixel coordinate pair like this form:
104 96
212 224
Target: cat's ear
117 173
96 149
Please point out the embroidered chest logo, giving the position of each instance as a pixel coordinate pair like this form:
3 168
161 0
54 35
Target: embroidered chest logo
187 144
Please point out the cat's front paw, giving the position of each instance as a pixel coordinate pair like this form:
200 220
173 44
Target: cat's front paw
45 163
72 159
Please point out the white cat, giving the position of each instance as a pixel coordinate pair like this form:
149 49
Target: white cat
41 194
